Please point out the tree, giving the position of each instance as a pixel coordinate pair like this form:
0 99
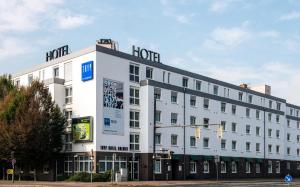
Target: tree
31 125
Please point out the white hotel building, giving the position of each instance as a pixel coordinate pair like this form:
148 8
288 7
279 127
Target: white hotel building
261 133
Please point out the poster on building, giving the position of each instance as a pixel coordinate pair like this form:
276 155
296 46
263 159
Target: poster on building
113 112
82 129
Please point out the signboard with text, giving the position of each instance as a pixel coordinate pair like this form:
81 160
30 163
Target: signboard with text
87 71
82 129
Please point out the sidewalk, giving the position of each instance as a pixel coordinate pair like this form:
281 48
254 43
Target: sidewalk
135 183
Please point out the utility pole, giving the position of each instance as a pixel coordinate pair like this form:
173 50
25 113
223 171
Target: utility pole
154 133
184 125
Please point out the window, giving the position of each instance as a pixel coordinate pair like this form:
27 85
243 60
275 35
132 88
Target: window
298 166
198 85
233 109
277 118
134 73
270 148
270 104
205 103
291 111
157 116
223 107
82 164
247 146
157 93
248 112
223 144
278 106
134 119
164 73
30 78
297 113
205 167
298 152
193 100
270 117
105 163
288 151
223 125
193 167
257 131
257 147
67 164
277 149
56 72
298 125
174 97
157 139
223 167
288 123
277 167
134 96
134 142
185 82
288 165
233 145
68 95
277 134
233 127
298 138
288 137
157 166
174 118
149 73
240 96
248 167
248 129
257 114
192 141
46 169
270 133
269 166
174 140
192 120
17 83
250 99
205 142
169 76
257 167
233 167
216 89
205 122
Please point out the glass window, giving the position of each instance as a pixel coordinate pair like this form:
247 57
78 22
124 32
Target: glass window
248 112
233 109
205 142
288 151
205 167
250 98
174 118
134 119
233 127
288 137
134 96
288 123
277 134
277 118
278 106
240 96
248 167
248 129
192 120
233 145
174 139
270 148
193 100
134 142
216 89
277 149
149 73
223 125
205 122
193 167
158 139
223 167
233 167
205 103
288 165
270 116
257 114
157 166
134 73
157 93
270 104
56 72
192 141
269 166
185 82
68 95
270 133
223 107
157 116
247 146
257 131
223 144
257 147
257 167
30 78
174 97
198 85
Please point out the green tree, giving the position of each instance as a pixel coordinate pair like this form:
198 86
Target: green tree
31 125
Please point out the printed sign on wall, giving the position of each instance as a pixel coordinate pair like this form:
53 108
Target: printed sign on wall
82 129
87 71
113 112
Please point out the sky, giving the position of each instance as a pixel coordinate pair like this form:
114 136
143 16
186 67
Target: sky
236 41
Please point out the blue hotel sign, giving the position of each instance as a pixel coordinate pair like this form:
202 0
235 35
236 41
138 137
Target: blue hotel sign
87 71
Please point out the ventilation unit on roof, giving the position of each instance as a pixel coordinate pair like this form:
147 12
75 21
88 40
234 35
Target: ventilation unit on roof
108 43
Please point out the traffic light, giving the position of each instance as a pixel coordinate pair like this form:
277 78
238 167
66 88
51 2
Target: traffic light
197 132
170 154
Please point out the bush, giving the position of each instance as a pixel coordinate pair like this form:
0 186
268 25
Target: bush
86 177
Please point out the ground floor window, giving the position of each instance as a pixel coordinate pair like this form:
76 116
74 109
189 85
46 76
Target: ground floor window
157 166
288 165
46 169
298 166
82 164
106 163
233 167
269 166
223 167
257 167
193 167
248 167
68 164
277 167
206 167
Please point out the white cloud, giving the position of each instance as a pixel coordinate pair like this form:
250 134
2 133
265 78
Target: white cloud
227 38
290 16
13 47
219 6
269 34
66 20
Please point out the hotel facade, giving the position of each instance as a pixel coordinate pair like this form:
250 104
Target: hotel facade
119 105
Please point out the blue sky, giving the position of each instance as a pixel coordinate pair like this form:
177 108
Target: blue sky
238 41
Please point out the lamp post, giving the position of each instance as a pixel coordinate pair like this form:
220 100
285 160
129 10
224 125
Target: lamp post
92 163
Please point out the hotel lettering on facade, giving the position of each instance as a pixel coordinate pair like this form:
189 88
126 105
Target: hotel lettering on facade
108 98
